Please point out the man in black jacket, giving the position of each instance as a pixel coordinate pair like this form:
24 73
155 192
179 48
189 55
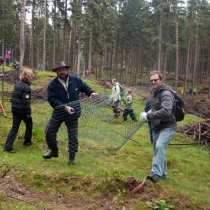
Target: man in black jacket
63 95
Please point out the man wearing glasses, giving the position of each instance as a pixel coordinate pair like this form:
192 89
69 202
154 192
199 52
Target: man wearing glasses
163 122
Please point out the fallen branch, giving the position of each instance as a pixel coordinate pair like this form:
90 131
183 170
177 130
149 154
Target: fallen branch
5 173
139 187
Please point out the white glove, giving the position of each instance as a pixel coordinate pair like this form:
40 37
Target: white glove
149 111
143 116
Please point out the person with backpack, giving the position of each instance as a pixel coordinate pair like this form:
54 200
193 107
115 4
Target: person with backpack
190 90
115 97
163 120
16 65
194 91
129 106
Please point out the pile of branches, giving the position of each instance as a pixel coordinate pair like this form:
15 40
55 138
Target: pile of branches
199 131
198 107
12 77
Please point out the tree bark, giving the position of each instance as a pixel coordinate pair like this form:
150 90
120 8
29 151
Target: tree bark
44 38
22 31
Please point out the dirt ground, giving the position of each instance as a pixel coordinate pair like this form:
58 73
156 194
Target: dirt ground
12 190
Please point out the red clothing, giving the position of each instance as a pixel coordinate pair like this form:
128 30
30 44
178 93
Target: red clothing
87 72
7 56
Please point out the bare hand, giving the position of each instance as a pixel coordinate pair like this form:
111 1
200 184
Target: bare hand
93 94
70 110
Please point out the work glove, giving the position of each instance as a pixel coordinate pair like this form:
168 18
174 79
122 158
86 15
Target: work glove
143 116
29 116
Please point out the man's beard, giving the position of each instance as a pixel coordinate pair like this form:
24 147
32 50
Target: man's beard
63 77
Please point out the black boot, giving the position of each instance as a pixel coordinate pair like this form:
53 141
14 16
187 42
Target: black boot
71 159
52 153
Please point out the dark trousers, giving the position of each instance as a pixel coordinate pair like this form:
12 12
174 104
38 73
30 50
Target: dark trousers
51 134
150 131
7 61
17 118
127 112
116 110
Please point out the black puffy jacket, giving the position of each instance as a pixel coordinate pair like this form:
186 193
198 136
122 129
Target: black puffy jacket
21 98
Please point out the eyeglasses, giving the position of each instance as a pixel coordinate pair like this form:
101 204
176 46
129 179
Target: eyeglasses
154 80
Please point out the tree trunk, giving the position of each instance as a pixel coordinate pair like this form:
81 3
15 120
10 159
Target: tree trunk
69 47
79 36
64 33
31 54
195 64
90 48
74 49
159 44
22 31
44 38
187 69
177 52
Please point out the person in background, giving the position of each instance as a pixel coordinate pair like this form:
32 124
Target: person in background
194 91
129 106
147 109
163 122
1 62
16 65
21 111
7 57
115 97
190 90
87 74
63 96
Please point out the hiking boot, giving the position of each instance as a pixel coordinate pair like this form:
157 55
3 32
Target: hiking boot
71 161
52 153
28 143
152 178
10 150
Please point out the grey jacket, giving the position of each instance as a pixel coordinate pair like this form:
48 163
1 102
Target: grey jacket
161 115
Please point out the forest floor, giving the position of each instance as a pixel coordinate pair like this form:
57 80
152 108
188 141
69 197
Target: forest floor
10 188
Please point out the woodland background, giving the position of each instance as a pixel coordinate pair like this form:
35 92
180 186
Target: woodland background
124 37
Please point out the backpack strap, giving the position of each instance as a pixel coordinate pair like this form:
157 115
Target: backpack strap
160 97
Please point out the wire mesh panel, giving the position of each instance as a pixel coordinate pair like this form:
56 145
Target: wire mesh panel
99 132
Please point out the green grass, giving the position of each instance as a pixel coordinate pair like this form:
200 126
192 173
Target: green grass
98 174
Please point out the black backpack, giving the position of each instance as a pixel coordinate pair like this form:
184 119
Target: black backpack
179 111
122 91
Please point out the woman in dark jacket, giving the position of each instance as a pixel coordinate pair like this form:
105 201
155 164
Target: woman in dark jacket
21 110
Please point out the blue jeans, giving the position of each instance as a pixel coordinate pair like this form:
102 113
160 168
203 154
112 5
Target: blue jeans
161 141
